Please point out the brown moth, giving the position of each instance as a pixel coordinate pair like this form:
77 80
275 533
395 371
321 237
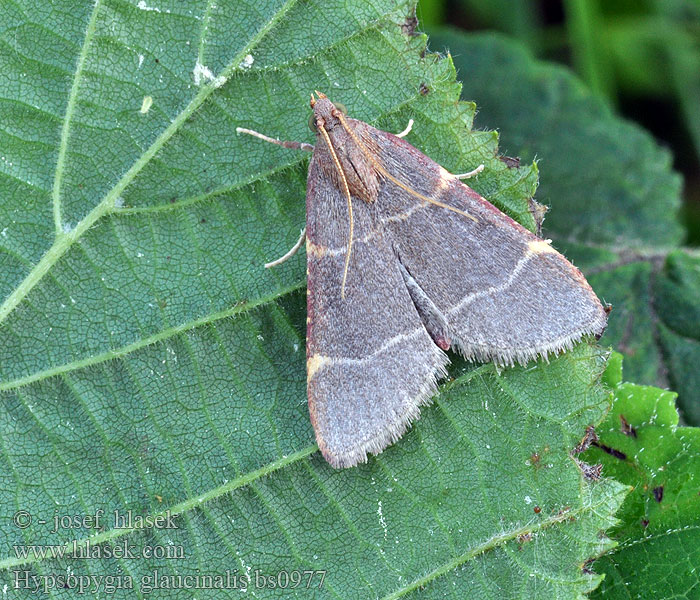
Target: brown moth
404 261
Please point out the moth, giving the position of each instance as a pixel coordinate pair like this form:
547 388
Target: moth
405 261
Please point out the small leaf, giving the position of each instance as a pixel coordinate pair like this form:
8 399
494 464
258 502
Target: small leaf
659 535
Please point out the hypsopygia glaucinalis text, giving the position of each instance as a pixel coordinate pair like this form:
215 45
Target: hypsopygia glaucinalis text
404 261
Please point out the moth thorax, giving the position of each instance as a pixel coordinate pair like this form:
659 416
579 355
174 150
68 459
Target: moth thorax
359 171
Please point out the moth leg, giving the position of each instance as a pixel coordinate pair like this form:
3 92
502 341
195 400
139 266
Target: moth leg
476 171
292 145
294 249
406 131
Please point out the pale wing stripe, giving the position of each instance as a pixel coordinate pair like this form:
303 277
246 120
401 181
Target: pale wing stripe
404 216
469 298
370 236
319 360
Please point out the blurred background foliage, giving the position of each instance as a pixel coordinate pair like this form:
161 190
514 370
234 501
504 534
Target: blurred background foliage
642 57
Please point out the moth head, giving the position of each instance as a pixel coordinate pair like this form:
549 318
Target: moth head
325 112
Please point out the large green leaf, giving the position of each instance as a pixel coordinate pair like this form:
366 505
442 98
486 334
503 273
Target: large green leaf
148 361
614 200
642 445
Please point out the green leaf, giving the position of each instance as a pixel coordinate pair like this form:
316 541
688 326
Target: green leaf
676 294
149 363
659 533
614 199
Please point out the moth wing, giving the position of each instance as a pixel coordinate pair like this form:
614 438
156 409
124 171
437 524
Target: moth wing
487 286
370 361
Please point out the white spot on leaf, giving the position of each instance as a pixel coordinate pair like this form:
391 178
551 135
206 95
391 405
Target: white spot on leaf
143 6
247 62
146 104
202 74
382 521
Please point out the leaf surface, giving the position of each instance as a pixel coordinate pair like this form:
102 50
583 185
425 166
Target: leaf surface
149 363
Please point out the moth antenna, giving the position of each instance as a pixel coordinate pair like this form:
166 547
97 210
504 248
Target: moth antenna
476 171
390 177
406 131
293 145
293 250
346 190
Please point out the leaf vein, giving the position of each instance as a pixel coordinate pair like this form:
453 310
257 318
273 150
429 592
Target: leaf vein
64 241
68 119
146 341
490 544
